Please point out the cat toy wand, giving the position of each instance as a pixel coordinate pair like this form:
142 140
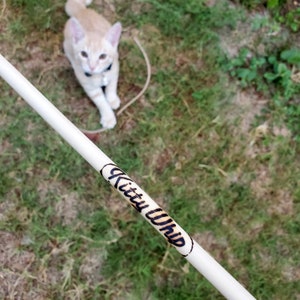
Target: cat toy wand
148 208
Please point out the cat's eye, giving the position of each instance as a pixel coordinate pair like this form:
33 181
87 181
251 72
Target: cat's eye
102 56
84 54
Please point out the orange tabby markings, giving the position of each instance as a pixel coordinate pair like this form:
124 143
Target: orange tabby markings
91 45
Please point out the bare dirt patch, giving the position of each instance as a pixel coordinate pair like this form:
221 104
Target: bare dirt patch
66 204
15 270
262 182
282 204
66 208
291 273
90 269
246 105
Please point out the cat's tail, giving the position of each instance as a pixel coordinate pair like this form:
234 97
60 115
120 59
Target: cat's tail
73 7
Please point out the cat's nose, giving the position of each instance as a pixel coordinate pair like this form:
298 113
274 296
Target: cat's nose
92 67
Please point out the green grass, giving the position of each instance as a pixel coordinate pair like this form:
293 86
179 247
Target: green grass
193 143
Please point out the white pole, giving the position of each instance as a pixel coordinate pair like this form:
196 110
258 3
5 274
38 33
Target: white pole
149 209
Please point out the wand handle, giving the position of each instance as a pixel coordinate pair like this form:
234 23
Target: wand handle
148 208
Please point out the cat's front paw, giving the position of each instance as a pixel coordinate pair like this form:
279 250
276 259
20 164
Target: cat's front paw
108 121
114 101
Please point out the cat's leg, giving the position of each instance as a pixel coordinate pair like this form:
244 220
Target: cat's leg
111 90
108 118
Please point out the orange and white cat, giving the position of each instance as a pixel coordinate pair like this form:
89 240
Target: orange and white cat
91 45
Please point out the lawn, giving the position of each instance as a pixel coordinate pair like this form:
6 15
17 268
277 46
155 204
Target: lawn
214 140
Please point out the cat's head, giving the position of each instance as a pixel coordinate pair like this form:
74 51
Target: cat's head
95 53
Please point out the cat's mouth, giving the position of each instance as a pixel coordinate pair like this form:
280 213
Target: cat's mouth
108 68
88 74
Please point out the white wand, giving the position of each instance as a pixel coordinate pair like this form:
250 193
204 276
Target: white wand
148 208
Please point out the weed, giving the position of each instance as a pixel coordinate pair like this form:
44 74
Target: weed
291 19
40 15
284 12
272 75
252 4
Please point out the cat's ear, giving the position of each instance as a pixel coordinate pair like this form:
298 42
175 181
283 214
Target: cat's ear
113 34
77 30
